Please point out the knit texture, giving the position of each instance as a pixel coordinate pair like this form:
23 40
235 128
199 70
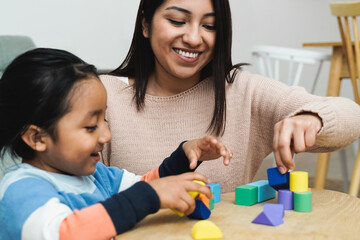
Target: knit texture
141 140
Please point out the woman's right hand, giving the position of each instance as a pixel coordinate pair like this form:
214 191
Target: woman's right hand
173 191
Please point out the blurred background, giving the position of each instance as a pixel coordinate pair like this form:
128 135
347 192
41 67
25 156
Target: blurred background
100 32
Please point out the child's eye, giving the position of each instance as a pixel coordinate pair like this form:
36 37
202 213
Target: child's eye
91 128
176 23
209 27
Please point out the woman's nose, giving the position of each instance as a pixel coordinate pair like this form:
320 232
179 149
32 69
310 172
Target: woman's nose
192 36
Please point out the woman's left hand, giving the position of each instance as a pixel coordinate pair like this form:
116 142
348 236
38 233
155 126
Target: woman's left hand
206 148
294 135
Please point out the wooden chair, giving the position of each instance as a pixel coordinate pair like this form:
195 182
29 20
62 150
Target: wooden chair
347 14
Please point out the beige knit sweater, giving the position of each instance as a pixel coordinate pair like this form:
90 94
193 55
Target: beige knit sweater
141 140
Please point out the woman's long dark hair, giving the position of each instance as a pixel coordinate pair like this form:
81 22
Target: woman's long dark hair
34 90
139 62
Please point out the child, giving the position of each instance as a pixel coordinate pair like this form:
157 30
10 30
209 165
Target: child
52 108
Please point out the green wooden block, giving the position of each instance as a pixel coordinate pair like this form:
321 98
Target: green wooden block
211 204
246 195
303 201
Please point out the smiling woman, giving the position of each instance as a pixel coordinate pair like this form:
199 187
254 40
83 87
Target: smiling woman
180 83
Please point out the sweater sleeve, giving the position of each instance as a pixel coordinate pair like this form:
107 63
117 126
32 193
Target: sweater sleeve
273 101
132 205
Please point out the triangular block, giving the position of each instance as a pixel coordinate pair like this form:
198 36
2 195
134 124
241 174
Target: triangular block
206 229
264 219
201 211
274 210
272 215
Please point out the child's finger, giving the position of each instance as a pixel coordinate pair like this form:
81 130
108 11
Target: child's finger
191 176
193 159
199 188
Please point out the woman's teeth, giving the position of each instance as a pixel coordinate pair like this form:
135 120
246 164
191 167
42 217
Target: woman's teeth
187 54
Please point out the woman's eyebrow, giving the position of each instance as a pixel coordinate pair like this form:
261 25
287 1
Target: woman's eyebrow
178 9
187 11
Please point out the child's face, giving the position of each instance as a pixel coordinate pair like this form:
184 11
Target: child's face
81 132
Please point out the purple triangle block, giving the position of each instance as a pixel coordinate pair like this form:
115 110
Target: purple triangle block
264 219
201 211
274 210
272 215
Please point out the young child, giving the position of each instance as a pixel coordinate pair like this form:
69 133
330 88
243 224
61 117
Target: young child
52 107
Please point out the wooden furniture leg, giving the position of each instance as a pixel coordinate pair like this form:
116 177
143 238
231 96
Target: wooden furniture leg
333 90
355 179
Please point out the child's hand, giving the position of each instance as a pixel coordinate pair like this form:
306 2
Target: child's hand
173 191
206 148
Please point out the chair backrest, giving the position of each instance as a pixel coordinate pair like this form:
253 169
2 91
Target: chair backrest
269 61
11 47
347 13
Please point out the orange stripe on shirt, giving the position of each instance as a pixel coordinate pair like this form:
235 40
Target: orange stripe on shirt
153 174
88 223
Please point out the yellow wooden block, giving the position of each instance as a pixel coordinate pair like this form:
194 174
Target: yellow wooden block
195 194
299 181
177 212
206 229
192 194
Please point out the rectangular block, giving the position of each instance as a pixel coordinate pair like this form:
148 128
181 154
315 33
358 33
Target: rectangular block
265 191
246 195
216 191
278 180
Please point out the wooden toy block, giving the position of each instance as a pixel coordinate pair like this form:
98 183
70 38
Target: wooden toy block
303 201
246 195
216 191
272 215
286 198
201 211
204 199
192 194
265 191
211 201
299 181
278 180
205 229
211 204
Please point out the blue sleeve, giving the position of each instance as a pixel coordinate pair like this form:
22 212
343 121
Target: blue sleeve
21 199
108 177
176 164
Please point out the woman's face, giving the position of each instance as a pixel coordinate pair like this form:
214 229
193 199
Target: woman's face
182 36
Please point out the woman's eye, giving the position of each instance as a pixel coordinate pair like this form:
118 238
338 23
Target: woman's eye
176 23
209 27
91 128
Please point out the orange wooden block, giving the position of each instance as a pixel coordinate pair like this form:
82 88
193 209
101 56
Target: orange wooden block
204 199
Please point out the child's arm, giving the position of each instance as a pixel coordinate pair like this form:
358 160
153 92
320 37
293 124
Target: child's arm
193 151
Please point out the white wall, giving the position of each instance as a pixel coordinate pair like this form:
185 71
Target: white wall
100 32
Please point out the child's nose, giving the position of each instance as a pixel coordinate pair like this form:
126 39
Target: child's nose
105 135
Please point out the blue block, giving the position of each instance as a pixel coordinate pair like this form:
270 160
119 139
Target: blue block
265 191
216 191
201 211
278 180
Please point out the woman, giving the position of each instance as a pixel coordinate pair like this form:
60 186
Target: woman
180 83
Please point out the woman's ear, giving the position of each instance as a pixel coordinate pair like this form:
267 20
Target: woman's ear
34 137
145 28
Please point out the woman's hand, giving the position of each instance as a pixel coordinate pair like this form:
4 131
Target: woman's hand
206 148
173 191
294 135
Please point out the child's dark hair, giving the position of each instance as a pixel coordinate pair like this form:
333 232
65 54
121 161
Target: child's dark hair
34 90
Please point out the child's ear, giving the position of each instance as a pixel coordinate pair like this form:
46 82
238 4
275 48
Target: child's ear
145 28
35 138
